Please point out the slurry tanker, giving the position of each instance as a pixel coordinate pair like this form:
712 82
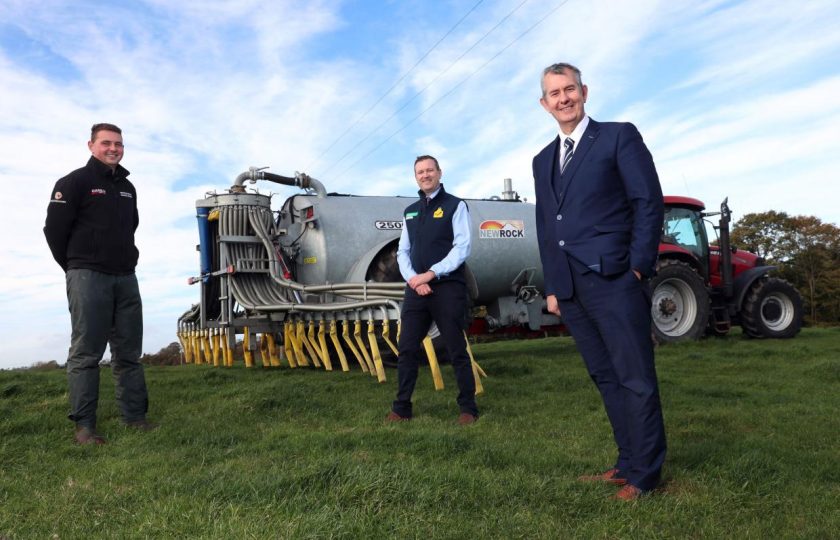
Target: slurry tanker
317 280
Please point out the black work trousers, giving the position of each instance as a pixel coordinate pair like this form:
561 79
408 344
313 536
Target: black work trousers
447 307
105 309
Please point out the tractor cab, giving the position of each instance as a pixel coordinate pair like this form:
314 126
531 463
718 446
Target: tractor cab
684 233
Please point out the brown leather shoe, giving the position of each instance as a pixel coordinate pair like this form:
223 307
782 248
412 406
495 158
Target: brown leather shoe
466 419
608 477
394 417
142 425
86 435
628 493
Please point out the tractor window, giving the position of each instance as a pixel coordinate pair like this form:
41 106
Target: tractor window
711 232
683 227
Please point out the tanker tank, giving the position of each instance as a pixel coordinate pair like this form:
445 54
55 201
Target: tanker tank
324 262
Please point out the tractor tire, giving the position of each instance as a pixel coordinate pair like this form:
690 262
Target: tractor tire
772 309
679 302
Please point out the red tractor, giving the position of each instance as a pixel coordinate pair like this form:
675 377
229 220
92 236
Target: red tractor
701 288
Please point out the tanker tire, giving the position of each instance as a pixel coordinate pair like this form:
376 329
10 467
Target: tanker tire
384 267
679 302
772 309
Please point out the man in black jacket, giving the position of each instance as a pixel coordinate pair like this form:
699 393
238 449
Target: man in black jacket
434 244
90 227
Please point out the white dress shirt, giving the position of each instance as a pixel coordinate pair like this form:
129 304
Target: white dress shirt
575 135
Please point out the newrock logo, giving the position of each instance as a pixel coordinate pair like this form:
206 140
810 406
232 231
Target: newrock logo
502 228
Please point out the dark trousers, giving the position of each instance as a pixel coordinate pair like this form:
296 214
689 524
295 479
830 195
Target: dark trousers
446 306
609 319
105 309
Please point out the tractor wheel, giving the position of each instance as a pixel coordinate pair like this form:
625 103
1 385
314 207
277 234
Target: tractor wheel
679 302
772 309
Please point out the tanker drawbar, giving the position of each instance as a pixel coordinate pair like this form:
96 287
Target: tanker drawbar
316 283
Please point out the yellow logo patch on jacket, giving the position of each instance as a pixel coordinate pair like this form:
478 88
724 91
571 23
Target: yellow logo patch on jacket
438 213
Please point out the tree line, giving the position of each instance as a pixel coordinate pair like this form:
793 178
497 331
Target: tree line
806 252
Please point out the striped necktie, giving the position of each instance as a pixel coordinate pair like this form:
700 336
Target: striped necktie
569 144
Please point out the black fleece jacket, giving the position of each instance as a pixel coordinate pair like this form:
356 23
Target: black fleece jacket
91 220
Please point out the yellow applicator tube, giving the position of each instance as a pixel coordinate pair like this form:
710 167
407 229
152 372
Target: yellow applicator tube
246 348
311 345
477 371
357 334
217 347
337 345
288 344
322 345
374 350
273 357
345 333
205 342
433 363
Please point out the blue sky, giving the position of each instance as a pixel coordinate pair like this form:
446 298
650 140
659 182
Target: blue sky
737 99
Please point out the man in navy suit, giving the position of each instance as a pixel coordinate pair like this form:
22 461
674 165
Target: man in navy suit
599 219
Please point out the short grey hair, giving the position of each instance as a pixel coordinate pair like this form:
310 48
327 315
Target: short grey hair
560 68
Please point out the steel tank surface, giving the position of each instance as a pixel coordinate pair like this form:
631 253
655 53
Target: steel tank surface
343 237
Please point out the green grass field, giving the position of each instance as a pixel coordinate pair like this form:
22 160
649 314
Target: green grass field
753 431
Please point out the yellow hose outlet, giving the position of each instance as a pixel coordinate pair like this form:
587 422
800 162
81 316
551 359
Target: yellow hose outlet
196 347
300 339
386 335
433 363
357 334
311 345
345 333
300 354
337 345
374 350
217 347
322 343
185 347
228 348
288 344
246 348
205 342
477 371
273 357
263 346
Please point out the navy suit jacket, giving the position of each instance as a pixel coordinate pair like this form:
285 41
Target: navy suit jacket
607 216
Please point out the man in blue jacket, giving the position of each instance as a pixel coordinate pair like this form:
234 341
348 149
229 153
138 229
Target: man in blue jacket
599 219
90 227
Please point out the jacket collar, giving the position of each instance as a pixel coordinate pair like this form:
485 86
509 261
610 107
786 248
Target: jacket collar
104 170
422 194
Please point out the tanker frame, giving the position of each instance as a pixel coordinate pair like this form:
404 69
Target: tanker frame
327 260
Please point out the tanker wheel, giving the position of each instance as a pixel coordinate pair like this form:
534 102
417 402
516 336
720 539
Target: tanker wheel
679 302
772 309
384 267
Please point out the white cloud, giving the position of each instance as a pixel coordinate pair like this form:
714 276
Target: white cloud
733 98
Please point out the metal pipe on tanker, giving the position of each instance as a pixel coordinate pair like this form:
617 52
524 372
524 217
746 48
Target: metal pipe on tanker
300 180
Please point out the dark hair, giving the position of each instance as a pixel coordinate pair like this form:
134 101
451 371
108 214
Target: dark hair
560 68
103 127
424 158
